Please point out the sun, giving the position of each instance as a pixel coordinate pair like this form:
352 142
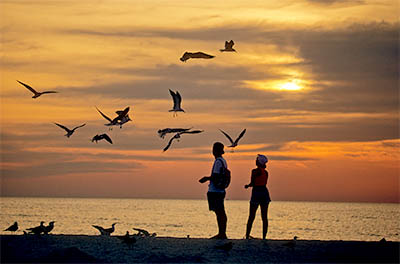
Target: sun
290 86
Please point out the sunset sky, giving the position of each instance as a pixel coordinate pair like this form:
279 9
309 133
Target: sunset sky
314 82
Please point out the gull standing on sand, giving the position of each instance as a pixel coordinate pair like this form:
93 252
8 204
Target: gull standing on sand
47 229
178 136
228 46
35 93
69 131
105 231
102 136
195 55
37 230
121 119
144 233
234 143
12 228
163 132
177 98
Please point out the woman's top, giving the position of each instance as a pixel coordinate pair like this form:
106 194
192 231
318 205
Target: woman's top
259 177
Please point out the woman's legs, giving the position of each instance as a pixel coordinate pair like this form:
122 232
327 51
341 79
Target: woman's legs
252 215
264 217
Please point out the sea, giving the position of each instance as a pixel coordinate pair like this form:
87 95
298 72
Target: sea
183 218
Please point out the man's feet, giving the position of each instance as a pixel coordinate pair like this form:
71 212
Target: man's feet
219 236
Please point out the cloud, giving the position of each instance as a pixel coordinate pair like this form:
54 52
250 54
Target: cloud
331 2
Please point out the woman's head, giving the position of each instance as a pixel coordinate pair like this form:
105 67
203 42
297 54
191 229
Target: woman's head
261 161
218 149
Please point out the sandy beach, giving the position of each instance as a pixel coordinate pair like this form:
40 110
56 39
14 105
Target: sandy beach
98 249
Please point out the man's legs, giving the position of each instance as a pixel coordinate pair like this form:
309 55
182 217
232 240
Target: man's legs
222 221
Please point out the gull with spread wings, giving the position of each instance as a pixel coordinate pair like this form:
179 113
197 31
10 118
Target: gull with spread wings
121 119
105 231
234 143
100 137
228 46
163 132
69 131
177 98
178 136
195 55
36 94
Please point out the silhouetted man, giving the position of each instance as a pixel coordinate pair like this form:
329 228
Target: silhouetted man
216 195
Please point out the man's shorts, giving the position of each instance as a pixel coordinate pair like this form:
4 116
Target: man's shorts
216 201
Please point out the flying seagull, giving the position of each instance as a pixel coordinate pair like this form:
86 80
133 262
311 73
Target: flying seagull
12 228
163 132
37 230
178 136
195 55
234 143
105 231
176 97
100 137
69 131
47 229
228 46
35 93
121 119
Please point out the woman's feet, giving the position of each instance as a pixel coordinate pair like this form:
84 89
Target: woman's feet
219 236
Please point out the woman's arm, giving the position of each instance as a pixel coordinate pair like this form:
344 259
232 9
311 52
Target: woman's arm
251 184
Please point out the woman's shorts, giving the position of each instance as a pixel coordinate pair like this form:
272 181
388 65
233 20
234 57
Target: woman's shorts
216 201
260 195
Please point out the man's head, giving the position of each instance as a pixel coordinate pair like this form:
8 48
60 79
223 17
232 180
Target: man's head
218 149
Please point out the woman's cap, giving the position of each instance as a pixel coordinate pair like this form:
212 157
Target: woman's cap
262 159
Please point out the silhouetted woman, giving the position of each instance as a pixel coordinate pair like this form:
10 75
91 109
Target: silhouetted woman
259 195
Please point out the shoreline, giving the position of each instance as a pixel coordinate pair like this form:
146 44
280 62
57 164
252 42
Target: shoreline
101 249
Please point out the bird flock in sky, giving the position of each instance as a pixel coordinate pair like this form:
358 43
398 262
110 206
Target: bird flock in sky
123 116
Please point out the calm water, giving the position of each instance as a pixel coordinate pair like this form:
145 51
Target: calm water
179 218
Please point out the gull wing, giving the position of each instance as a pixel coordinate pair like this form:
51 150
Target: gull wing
47 92
240 136
230 44
106 137
122 113
145 232
226 135
176 97
106 117
101 229
226 44
79 126
202 55
169 144
163 132
63 127
191 132
28 87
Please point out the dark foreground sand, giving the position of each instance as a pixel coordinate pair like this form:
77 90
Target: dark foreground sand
97 249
